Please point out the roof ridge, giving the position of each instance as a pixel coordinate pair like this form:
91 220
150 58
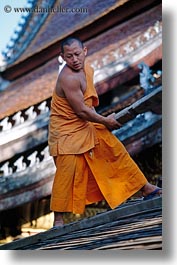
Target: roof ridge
28 28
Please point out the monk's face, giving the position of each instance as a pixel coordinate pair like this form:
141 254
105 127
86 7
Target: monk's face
74 56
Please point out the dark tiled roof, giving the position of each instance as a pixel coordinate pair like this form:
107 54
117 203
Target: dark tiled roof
39 83
59 24
29 89
133 225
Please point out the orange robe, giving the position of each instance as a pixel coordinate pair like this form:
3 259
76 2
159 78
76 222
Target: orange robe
91 163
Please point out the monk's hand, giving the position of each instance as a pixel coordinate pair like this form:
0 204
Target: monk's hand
112 123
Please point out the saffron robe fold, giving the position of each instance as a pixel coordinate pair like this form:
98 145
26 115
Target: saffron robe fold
91 163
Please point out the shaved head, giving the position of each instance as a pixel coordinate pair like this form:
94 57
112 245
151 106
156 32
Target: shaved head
69 40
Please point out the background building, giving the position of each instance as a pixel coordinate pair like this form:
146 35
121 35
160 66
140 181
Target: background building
124 39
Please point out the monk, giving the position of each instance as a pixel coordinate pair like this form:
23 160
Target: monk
91 163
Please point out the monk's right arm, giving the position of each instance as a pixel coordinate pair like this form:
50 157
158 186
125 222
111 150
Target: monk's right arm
75 98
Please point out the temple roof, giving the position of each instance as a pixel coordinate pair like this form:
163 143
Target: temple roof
60 24
119 36
42 34
29 89
118 45
43 28
133 225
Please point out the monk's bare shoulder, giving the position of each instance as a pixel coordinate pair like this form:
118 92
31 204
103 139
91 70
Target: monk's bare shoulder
67 79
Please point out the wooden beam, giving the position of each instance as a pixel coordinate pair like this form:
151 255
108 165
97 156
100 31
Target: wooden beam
146 103
137 144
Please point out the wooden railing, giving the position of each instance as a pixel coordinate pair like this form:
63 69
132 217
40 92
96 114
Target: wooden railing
27 114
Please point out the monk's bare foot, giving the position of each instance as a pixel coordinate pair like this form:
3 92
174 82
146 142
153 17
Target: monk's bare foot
58 219
58 224
149 189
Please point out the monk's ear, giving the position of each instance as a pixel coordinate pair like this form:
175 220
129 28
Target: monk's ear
62 55
85 50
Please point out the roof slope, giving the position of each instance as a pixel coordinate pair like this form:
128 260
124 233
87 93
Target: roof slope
85 19
134 225
60 24
106 49
50 21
